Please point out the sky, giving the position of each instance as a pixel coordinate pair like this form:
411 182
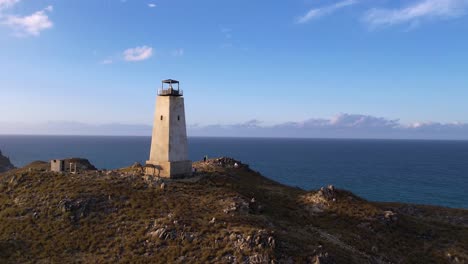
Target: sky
94 66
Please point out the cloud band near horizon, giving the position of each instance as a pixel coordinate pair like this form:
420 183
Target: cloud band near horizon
340 126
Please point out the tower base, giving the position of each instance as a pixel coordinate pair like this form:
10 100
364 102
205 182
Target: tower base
168 169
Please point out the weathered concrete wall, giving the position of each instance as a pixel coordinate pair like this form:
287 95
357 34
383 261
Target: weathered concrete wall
169 152
57 165
178 132
169 169
160 138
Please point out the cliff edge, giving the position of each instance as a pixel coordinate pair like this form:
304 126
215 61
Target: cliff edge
226 213
5 163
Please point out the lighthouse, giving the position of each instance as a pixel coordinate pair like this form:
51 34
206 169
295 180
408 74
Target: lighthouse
169 154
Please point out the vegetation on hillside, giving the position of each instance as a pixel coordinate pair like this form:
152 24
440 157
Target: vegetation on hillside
225 214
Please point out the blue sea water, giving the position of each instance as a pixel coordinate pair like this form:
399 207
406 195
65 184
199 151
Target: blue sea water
422 172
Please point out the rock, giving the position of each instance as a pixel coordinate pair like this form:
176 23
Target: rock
159 232
78 208
212 221
163 186
226 163
321 257
233 236
271 242
319 201
136 165
238 205
230 259
328 193
258 259
164 233
256 240
389 216
5 163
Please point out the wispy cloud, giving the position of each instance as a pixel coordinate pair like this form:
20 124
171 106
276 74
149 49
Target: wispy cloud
4 4
151 5
340 126
138 53
323 11
31 25
414 13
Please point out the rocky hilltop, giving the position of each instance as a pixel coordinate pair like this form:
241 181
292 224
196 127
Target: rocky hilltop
226 213
5 163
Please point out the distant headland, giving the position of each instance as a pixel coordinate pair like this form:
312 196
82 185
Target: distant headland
5 163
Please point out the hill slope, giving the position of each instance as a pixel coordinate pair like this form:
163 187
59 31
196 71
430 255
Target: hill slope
224 214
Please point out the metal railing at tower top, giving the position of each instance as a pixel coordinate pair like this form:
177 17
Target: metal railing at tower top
170 92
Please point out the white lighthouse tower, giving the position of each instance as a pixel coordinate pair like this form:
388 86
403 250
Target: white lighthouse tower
169 155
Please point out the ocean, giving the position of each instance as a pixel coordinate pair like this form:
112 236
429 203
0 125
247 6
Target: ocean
410 171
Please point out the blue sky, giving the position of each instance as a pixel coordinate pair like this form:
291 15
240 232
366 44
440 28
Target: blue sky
101 61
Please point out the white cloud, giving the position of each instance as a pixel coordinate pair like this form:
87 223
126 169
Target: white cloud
138 53
340 126
151 5
356 121
424 9
31 25
348 121
323 11
4 4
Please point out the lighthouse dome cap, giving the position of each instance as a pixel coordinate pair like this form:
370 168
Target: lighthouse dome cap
170 81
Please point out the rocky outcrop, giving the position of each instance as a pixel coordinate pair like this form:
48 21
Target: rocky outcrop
226 162
317 202
5 163
81 164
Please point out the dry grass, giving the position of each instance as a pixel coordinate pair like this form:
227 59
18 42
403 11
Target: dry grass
47 217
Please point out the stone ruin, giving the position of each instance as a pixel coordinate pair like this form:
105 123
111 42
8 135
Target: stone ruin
72 165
